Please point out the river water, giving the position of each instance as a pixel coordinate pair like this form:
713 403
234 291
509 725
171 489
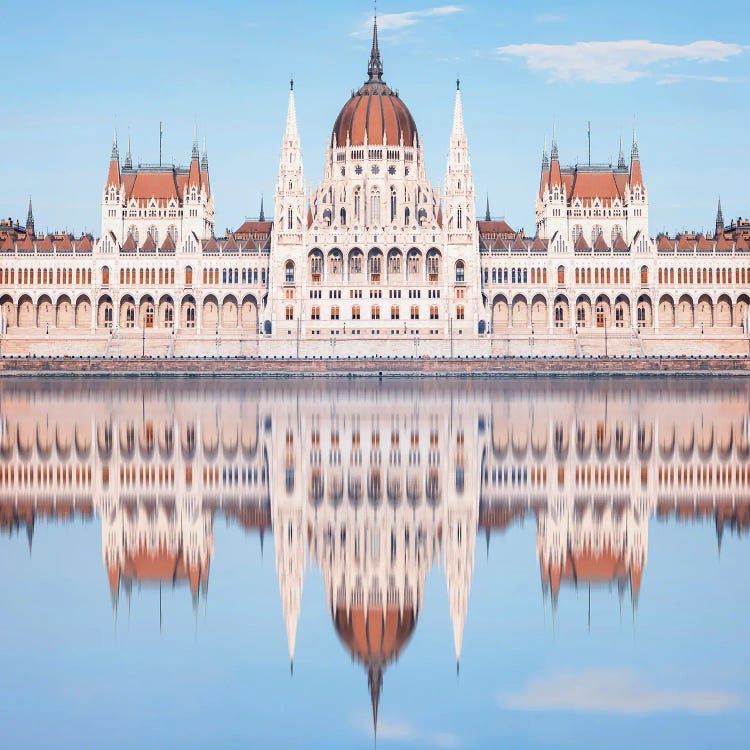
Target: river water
445 563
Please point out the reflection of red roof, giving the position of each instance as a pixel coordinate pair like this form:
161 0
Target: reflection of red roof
160 566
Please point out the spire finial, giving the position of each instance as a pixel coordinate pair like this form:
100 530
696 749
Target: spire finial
204 158
196 154
291 83
458 83
115 151
128 157
634 155
30 219
262 217
545 158
621 158
375 68
554 156
719 218
487 215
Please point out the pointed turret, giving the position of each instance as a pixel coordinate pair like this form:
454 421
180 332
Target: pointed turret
291 133
621 158
194 178
30 220
375 67
545 156
458 113
487 214
636 178
554 167
459 181
290 216
113 179
262 216
719 220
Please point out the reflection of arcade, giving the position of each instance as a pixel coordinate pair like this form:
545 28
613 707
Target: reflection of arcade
376 483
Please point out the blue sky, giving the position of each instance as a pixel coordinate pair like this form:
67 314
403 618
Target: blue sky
72 70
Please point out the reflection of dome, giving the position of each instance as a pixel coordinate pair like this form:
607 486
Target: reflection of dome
375 638
375 111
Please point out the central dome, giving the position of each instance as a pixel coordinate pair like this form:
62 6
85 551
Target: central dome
375 112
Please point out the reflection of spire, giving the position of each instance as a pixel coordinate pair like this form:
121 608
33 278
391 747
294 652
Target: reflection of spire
375 683
30 533
719 534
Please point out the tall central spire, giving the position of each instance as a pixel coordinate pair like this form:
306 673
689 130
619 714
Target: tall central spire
375 68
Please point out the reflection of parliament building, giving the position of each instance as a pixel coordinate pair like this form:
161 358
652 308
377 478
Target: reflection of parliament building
377 483
375 259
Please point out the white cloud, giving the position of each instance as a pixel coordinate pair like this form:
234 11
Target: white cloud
613 691
406 733
399 21
614 62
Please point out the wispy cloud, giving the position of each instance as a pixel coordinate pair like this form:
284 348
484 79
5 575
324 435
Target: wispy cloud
398 21
545 18
613 691
680 77
406 733
614 62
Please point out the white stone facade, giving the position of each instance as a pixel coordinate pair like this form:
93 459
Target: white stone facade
375 261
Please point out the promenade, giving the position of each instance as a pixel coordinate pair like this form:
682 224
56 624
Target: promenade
373 367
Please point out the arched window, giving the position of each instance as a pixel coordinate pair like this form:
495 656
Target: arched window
407 216
644 275
172 232
596 233
290 218
375 206
460 272
460 218
133 232
357 204
105 276
154 234
616 232
393 205
289 272
189 276
575 233
343 217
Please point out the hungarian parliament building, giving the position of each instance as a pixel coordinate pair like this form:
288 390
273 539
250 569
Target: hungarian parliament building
375 262
377 487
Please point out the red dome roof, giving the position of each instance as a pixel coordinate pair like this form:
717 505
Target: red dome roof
375 111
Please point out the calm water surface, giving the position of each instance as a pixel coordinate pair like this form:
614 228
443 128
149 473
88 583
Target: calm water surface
461 564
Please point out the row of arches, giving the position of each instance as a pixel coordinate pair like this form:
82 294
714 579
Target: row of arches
147 311
602 311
